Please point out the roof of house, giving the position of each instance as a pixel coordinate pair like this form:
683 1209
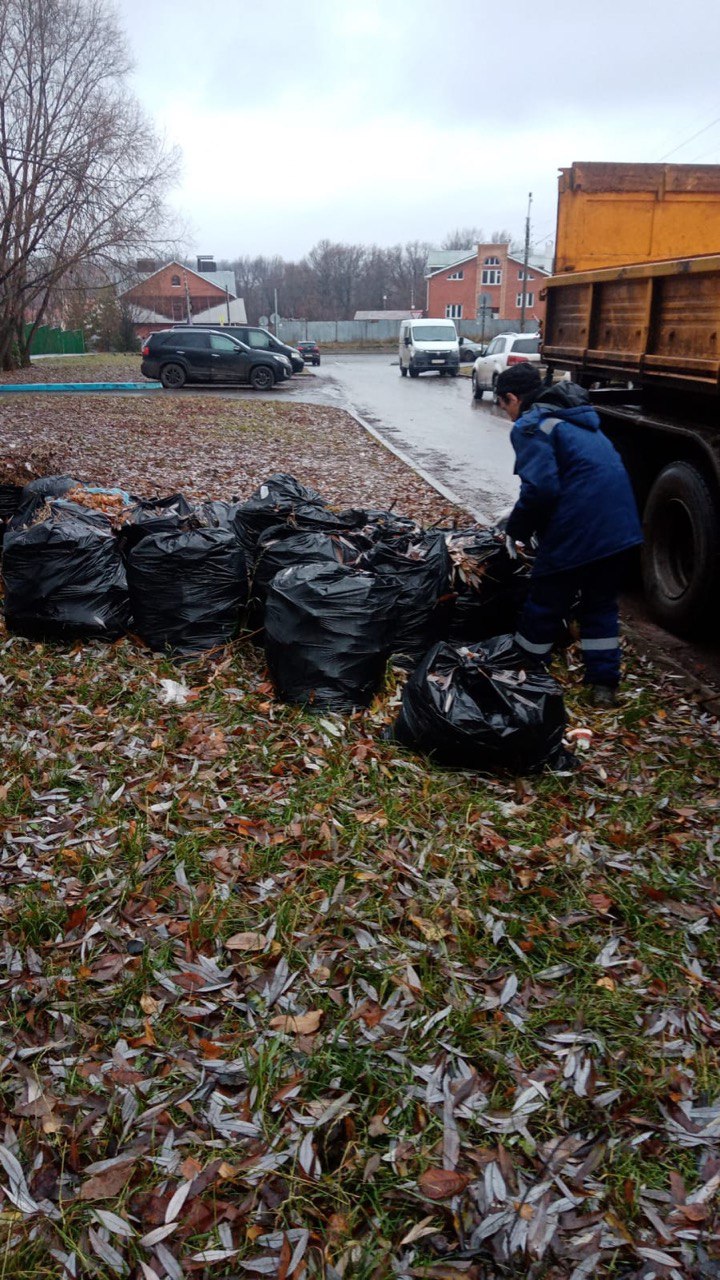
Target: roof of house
224 281
533 264
219 315
387 315
441 259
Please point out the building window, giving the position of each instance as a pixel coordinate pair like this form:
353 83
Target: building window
521 275
453 311
175 282
529 300
457 275
492 262
491 275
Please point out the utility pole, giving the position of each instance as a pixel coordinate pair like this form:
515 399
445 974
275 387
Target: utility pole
188 307
276 314
525 266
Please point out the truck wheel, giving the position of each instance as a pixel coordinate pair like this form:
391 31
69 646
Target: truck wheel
682 548
403 371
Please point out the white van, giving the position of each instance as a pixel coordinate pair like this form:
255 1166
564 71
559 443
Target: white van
428 344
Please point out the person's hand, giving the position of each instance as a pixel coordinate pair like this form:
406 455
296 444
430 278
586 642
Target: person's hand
511 548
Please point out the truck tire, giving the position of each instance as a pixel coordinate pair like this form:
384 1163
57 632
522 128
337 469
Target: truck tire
682 549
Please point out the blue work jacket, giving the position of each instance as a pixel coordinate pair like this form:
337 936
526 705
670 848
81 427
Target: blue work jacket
575 494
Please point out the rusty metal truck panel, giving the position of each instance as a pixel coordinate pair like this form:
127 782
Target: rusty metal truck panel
612 214
653 323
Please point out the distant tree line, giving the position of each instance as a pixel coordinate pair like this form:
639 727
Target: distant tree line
334 280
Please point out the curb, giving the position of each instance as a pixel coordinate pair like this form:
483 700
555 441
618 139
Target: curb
442 489
79 386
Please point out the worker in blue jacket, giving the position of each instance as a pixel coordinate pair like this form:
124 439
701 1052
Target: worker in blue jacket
576 499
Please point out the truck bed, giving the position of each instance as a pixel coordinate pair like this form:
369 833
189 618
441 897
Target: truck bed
654 324
612 214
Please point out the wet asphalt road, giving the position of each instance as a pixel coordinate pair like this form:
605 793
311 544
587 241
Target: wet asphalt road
461 445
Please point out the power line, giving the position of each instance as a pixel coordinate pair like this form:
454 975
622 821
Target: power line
691 138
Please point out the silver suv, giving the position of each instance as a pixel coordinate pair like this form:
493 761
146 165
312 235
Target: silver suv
506 349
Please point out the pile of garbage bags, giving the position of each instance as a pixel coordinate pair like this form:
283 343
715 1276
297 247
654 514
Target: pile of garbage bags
332 594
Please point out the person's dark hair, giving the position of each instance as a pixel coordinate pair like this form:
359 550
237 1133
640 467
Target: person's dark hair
521 380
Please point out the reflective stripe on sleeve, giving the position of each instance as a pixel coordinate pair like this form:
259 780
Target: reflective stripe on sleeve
607 642
529 646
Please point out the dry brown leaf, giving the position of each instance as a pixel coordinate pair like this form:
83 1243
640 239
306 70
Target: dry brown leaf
109 1183
303 1024
246 942
440 1184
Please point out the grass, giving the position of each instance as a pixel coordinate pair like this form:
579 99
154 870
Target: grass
514 980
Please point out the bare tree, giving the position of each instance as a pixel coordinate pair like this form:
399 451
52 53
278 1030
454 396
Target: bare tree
463 238
82 174
501 237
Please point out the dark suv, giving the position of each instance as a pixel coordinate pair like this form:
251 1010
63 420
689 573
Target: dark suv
258 339
309 351
177 356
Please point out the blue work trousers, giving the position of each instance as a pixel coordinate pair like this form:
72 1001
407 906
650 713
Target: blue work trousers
589 595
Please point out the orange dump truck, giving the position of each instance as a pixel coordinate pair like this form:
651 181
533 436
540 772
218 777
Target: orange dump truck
644 337
612 214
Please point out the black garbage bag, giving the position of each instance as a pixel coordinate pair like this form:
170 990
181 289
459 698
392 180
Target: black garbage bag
273 502
329 631
382 525
11 496
308 515
217 514
156 515
490 587
478 708
283 546
187 588
64 576
49 486
420 564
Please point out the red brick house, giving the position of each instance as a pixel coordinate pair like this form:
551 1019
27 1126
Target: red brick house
176 293
491 273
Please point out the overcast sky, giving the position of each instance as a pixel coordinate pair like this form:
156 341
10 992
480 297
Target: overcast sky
383 121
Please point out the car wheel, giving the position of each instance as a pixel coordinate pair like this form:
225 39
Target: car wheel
317 362
414 373
494 389
173 375
262 378
453 373
403 371
442 372
477 391
681 549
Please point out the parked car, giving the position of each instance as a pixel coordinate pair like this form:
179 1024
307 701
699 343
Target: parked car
309 351
177 356
259 339
469 351
506 349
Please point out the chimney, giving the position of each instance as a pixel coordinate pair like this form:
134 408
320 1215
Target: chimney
206 263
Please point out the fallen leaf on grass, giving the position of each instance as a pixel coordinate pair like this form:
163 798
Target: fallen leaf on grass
440 1184
301 1025
246 942
109 1183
